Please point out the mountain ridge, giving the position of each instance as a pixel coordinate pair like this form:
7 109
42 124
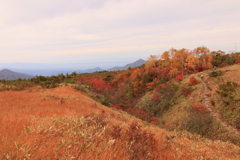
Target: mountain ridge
130 65
44 71
11 75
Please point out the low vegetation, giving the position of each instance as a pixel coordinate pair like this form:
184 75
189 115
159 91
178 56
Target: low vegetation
94 132
215 73
229 102
44 82
166 93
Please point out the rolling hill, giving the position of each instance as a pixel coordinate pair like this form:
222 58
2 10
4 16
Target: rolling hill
209 108
182 117
10 75
62 123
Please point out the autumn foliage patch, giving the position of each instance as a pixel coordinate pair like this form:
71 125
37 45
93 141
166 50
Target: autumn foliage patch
99 85
117 107
199 107
192 81
185 91
162 85
155 97
179 77
122 87
154 120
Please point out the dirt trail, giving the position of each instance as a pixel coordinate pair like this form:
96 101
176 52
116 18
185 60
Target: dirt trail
215 114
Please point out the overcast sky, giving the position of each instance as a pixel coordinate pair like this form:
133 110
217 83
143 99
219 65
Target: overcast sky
105 31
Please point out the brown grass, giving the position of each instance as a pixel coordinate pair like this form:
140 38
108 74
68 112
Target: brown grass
62 123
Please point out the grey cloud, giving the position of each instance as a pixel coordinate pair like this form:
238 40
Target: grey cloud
103 27
29 11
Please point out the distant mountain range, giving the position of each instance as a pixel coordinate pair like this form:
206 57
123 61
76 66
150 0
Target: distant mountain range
130 65
10 75
97 69
28 73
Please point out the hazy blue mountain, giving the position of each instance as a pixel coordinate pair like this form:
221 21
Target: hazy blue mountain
10 75
97 69
50 72
45 69
132 65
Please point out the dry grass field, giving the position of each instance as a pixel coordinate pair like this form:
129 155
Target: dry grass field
62 123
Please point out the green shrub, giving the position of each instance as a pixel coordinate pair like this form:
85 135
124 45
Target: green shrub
108 78
215 73
227 89
161 100
105 100
198 122
70 80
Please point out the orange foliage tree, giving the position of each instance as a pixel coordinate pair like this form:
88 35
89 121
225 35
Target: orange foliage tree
152 61
191 62
202 54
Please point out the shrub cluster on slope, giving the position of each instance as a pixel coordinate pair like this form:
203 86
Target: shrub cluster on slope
45 82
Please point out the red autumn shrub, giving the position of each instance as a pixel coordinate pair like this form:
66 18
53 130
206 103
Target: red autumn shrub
179 77
199 68
162 85
199 107
133 69
155 97
117 106
192 81
186 92
154 118
237 61
153 122
150 85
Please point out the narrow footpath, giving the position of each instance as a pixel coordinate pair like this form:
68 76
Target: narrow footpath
215 114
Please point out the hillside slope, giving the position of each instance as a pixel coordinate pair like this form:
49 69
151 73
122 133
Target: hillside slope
223 91
210 108
62 123
215 113
10 75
